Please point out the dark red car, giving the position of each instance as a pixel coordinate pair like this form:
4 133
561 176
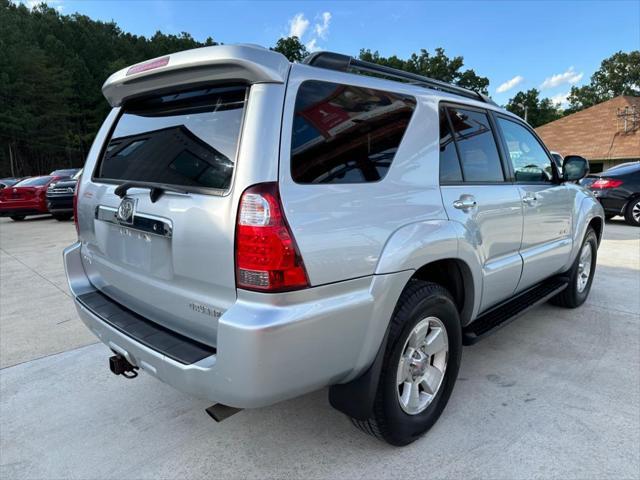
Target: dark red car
27 197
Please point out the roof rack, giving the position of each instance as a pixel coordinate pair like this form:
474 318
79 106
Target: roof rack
345 63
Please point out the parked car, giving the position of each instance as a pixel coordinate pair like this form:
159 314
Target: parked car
60 197
250 230
618 190
8 182
65 172
27 197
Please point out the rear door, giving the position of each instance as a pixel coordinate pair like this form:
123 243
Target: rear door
477 193
547 204
167 256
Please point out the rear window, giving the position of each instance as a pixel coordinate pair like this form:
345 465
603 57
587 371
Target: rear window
185 139
346 134
34 182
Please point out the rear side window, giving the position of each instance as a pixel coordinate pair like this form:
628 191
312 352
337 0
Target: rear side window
476 145
184 139
346 134
449 163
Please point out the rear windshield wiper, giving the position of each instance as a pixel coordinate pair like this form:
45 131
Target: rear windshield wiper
155 191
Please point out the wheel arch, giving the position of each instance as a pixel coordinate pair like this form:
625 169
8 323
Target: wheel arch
455 275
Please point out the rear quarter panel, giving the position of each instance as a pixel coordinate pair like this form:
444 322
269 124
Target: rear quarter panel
341 229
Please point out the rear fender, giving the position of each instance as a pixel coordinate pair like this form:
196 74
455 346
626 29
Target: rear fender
408 249
418 244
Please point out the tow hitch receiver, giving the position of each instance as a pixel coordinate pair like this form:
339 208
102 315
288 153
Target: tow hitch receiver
120 366
219 412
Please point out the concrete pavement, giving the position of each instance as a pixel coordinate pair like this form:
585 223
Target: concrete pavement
556 394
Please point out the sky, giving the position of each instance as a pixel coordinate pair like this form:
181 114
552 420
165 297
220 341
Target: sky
518 45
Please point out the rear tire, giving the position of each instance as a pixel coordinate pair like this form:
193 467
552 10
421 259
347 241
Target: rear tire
632 212
581 274
62 217
427 366
18 218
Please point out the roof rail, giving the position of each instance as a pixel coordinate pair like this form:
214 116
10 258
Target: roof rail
345 63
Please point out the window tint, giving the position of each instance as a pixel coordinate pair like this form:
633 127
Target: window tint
449 163
346 134
530 162
477 146
186 139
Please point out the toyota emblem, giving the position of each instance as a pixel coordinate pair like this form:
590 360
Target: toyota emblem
125 211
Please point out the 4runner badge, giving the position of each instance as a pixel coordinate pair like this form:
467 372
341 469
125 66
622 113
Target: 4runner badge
125 211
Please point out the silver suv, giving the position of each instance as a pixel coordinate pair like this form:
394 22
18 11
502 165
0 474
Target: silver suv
250 230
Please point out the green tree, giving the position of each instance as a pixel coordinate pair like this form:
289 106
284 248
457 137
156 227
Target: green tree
618 75
292 48
438 66
52 68
539 111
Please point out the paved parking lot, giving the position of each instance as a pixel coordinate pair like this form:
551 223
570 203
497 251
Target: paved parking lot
555 394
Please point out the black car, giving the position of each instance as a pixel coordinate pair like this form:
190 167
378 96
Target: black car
618 190
60 197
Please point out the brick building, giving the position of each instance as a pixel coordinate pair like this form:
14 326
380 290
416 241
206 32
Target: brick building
606 134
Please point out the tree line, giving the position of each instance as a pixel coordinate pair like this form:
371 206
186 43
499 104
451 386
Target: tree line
52 68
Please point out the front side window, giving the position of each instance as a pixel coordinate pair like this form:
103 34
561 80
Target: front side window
530 162
185 139
477 146
346 134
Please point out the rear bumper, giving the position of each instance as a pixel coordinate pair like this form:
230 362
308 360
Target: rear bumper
269 347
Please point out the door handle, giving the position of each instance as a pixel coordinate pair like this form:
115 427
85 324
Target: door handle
530 199
465 202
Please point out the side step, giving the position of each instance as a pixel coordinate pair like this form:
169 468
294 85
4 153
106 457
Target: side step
504 313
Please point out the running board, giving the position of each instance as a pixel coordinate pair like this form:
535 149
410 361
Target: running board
506 312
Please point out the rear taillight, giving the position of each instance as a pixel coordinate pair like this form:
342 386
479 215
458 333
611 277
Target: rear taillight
75 205
267 257
604 183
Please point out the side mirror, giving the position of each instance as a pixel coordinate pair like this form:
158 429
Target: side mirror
574 168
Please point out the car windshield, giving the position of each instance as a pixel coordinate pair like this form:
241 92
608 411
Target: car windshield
34 181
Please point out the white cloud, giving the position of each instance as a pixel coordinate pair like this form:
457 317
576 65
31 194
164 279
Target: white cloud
30 4
322 28
560 98
298 25
312 45
570 77
509 84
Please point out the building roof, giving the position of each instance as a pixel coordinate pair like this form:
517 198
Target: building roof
596 133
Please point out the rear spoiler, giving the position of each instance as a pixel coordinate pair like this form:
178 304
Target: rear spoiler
231 63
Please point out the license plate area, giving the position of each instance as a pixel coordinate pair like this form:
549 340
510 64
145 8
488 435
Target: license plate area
144 244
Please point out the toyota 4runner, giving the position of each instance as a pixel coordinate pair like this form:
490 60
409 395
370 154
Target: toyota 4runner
250 230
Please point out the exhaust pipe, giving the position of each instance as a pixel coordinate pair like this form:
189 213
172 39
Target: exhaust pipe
121 366
220 412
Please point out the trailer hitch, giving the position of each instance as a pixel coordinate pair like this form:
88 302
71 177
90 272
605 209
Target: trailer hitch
120 366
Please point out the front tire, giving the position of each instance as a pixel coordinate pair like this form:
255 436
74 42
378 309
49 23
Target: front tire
420 366
632 212
62 217
18 218
581 274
